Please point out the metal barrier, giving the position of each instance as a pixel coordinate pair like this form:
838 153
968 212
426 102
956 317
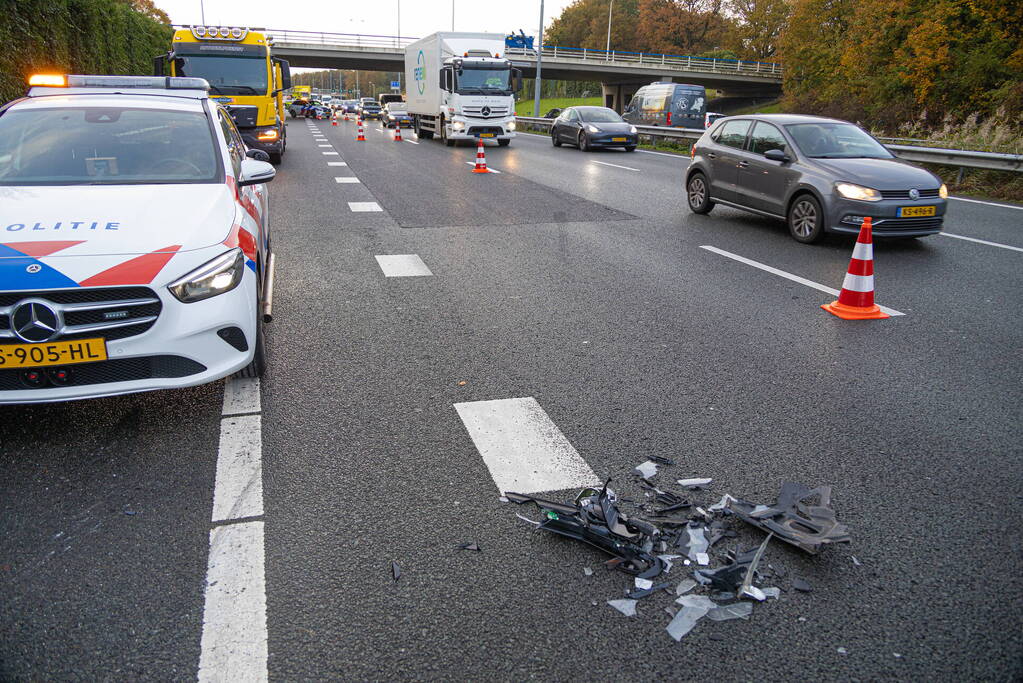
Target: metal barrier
927 155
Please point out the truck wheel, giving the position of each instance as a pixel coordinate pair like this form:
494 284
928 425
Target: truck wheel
503 143
444 135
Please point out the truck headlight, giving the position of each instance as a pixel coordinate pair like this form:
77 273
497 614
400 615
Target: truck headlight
850 191
511 125
218 276
943 191
458 125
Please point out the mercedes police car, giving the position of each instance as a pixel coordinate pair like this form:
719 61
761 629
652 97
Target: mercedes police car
134 244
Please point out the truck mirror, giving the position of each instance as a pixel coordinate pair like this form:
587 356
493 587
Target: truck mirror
516 77
285 73
158 62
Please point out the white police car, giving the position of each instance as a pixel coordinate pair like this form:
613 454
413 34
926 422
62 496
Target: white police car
134 244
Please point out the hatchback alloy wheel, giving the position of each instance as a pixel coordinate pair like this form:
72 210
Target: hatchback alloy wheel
805 220
696 192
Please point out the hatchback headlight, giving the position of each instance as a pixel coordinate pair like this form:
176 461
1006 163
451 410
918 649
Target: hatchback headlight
865 194
592 128
632 129
943 191
218 276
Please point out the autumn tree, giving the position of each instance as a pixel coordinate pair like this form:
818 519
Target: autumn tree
758 26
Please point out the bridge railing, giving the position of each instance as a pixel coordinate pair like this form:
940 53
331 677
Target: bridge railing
339 39
703 64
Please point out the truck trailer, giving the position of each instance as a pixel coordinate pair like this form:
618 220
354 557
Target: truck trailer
459 87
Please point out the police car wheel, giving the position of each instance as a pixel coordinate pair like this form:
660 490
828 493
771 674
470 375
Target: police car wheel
257 367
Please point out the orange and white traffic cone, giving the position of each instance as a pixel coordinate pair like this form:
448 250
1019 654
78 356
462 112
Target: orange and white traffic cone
346 115
333 119
856 300
397 132
361 137
481 159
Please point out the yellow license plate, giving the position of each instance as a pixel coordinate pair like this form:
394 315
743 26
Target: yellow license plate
486 135
52 353
617 139
915 211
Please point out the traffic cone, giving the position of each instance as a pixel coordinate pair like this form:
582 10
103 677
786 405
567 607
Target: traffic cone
397 132
361 137
856 300
333 119
346 115
481 159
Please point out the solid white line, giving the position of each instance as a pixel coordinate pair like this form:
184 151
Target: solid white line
522 447
350 180
330 154
489 170
337 163
681 157
788 276
402 265
364 206
234 637
974 239
239 488
241 395
604 163
977 201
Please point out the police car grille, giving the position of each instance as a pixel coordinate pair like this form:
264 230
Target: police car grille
117 370
109 312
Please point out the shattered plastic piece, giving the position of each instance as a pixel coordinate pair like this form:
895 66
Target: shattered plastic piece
805 525
721 504
700 601
753 592
503 499
702 559
771 592
703 513
738 610
395 570
638 594
685 586
470 546
801 585
645 469
527 519
696 543
694 482
748 590
594 518
729 577
587 571
842 651
855 561
643 584
684 621
625 606
663 461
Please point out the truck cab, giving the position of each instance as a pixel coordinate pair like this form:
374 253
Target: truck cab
242 75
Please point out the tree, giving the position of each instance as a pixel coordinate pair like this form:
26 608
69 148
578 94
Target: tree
148 9
758 26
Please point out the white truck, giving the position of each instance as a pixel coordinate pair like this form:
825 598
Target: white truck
459 87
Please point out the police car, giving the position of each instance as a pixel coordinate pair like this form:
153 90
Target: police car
134 243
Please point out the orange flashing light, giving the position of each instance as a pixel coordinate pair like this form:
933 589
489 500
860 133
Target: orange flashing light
268 134
47 79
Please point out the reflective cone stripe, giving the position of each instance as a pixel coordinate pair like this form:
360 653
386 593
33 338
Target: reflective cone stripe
481 159
397 132
856 300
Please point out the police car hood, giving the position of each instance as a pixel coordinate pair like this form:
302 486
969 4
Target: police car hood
87 221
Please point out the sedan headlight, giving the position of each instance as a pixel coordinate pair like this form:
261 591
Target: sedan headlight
865 194
592 128
218 276
632 129
943 191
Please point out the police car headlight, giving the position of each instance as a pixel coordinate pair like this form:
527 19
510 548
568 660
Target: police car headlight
218 276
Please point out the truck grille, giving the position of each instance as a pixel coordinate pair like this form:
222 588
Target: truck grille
904 194
109 312
477 112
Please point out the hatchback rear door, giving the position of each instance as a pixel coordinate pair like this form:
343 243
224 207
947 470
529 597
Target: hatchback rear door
723 154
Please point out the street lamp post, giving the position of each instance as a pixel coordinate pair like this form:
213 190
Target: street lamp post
539 60
607 52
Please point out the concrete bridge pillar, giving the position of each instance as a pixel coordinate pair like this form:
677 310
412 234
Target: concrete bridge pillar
617 95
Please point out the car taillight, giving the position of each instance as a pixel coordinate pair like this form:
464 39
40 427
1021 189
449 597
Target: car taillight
692 151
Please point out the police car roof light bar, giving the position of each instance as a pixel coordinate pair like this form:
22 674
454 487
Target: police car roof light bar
123 82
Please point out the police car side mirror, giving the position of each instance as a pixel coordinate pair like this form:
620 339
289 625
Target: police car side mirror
255 172
257 154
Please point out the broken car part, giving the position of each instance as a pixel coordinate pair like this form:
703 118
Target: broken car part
795 519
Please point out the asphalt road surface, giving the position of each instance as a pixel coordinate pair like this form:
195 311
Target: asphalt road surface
577 283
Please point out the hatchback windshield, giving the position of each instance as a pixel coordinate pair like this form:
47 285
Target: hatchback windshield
836 141
599 115
105 146
226 75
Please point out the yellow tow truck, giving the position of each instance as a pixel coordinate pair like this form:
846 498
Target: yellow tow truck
243 75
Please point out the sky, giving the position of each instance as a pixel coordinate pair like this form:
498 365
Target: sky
378 17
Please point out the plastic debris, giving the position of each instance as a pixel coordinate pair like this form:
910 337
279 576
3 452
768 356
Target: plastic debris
642 593
694 608
470 546
646 469
625 606
737 610
663 461
795 519
527 519
855 561
587 571
395 570
748 590
643 584
694 483
842 651
721 504
503 499
685 586
771 592
801 585
695 543
729 577
594 518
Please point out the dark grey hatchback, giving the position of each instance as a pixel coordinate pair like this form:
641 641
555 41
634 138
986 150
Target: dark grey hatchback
819 175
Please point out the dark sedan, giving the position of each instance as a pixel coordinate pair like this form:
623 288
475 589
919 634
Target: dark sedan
592 127
819 175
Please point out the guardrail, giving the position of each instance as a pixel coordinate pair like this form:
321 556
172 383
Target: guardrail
702 64
961 158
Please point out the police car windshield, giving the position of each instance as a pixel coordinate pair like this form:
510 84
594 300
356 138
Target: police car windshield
106 146
227 75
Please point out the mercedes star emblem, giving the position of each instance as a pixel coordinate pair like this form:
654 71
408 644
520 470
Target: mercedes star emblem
34 322
485 111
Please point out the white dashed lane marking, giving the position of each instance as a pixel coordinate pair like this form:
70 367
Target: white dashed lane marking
402 265
350 179
330 154
359 207
604 163
978 201
523 448
337 163
234 635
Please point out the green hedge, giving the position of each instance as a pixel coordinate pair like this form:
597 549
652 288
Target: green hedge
75 36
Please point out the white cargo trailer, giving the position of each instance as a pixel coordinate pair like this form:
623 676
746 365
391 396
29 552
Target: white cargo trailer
459 87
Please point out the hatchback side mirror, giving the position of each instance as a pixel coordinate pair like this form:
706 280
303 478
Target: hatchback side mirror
255 172
777 155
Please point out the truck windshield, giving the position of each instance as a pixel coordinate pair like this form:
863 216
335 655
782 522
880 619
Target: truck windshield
226 75
483 80
106 146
